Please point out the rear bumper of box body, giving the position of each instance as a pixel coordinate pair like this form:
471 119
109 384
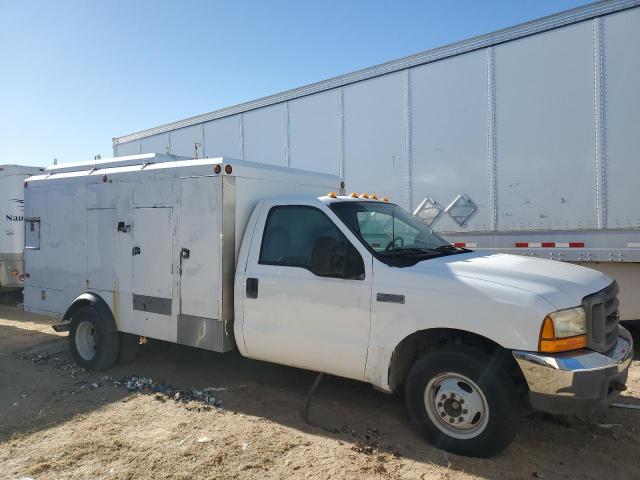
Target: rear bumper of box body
576 382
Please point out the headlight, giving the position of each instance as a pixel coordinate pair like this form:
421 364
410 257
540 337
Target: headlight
569 323
564 330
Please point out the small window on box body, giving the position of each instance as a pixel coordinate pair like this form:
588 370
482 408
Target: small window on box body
32 233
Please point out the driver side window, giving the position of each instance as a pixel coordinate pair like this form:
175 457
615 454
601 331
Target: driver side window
305 237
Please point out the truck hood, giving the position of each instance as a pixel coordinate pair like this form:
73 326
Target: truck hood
561 284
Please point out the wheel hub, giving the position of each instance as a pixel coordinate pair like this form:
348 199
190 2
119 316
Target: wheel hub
456 405
86 340
451 407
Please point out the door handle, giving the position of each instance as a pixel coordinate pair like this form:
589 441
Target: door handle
135 251
252 288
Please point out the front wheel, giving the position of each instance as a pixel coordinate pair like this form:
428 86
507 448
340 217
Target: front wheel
462 401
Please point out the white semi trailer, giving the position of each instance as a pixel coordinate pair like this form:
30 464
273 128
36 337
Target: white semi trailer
280 264
524 140
12 224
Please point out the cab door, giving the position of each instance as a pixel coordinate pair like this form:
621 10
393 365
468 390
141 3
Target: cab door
307 292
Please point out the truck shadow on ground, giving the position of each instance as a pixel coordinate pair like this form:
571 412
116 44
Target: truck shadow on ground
345 410
635 332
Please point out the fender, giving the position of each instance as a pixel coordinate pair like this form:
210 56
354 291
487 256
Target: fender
88 299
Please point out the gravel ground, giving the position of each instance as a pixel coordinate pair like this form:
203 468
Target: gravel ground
222 416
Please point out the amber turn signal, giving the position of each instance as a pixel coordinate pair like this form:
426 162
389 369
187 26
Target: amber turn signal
550 344
547 332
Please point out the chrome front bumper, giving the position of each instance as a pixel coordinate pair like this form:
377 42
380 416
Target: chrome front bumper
581 381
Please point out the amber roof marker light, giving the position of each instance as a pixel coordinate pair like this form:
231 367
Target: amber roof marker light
228 169
217 168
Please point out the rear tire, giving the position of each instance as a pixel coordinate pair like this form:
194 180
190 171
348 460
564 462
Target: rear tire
94 343
463 401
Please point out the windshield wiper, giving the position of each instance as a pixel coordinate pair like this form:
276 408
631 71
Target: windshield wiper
441 250
452 248
411 251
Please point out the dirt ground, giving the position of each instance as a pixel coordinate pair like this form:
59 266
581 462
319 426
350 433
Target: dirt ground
59 422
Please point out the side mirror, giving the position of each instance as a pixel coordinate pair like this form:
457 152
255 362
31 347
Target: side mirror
335 258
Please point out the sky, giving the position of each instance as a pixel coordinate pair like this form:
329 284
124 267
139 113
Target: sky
74 74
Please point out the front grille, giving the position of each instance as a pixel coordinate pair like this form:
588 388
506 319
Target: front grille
601 309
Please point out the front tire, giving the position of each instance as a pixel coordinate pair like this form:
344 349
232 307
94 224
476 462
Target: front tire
463 401
94 345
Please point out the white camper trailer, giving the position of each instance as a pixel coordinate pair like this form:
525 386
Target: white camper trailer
280 264
12 224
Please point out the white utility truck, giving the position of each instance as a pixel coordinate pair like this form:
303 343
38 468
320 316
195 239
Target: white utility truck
282 265
12 224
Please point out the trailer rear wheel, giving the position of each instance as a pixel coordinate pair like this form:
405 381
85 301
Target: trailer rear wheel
94 345
462 401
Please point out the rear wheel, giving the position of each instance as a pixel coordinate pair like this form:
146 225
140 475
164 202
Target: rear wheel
462 401
94 344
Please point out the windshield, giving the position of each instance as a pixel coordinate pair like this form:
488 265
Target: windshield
388 231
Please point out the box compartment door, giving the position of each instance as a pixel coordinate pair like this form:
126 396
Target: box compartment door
199 236
152 260
199 221
101 249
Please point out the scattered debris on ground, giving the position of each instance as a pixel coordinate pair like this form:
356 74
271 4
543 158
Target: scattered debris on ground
161 391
